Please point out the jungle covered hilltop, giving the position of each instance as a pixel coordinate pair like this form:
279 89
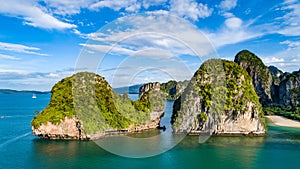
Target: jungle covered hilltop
219 99
279 92
84 106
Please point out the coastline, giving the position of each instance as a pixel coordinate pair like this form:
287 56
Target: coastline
282 121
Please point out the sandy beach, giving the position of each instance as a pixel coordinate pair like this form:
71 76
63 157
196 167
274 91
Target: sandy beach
282 121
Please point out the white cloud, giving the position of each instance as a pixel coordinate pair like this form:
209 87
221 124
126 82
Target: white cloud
164 33
234 31
128 5
227 5
114 4
53 75
22 72
233 22
190 9
155 54
77 32
155 46
272 60
291 44
8 57
289 63
157 12
32 14
133 8
145 69
109 49
226 37
148 3
20 48
291 20
68 7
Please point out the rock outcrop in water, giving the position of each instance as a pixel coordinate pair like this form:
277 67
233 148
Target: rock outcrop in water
261 76
149 86
171 90
67 129
84 106
219 99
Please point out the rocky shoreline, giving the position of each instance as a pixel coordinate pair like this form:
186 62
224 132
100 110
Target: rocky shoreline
71 129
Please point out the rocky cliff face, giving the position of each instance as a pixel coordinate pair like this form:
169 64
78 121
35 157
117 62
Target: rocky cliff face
149 86
276 75
261 76
67 129
289 89
84 106
275 71
219 99
152 96
273 87
283 88
171 90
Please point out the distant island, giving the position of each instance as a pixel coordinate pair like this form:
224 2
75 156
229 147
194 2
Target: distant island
223 98
10 91
134 89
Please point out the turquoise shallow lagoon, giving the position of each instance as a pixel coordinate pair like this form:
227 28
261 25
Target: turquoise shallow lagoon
19 149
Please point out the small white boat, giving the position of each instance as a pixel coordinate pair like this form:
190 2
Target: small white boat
33 96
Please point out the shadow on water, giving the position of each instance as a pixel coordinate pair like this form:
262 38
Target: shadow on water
145 134
191 142
69 148
74 154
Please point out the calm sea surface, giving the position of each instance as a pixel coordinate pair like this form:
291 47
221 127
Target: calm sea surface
20 149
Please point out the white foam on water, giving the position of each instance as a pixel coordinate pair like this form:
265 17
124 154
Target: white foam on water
16 116
14 139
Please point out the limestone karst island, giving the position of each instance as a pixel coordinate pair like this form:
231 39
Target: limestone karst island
223 98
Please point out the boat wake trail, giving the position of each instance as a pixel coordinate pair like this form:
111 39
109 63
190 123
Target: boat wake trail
15 116
14 139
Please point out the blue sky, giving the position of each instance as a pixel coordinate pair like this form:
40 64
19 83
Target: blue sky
137 41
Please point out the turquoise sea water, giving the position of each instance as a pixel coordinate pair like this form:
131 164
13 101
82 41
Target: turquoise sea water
19 149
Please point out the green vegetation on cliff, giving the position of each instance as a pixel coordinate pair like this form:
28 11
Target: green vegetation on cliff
249 58
173 89
223 87
238 88
88 97
60 106
295 97
150 101
262 78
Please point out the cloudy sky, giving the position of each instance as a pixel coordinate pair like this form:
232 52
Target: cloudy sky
135 41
